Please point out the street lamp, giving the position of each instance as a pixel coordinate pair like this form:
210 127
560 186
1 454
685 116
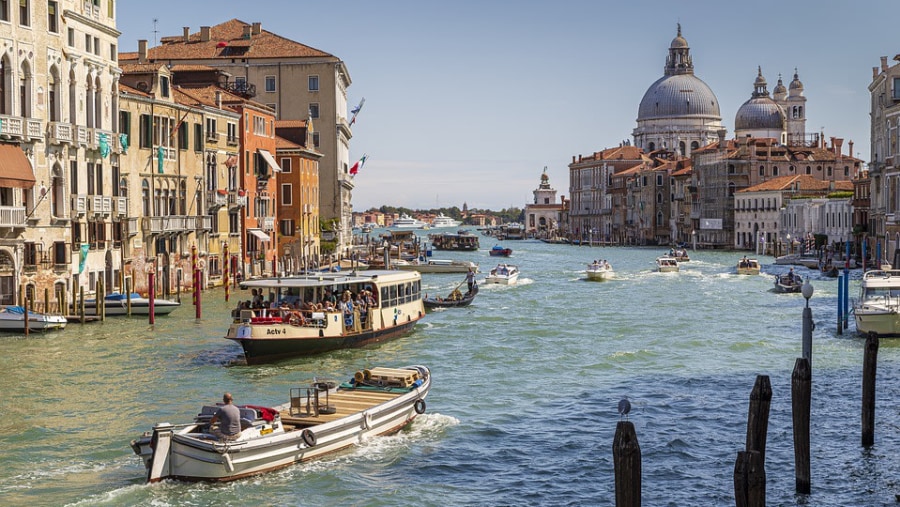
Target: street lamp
790 245
808 324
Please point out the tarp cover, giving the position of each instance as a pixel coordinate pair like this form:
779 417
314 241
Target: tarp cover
15 169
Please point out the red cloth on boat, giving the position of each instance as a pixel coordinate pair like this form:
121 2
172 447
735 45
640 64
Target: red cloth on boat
268 414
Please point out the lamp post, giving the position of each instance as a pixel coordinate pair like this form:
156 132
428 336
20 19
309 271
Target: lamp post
790 245
808 324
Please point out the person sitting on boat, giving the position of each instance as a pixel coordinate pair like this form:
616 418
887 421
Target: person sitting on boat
455 295
229 418
257 298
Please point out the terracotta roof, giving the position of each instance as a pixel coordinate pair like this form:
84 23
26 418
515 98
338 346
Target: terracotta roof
193 68
206 95
123 88
226 40
284 144
127 55
140 68
290 124
807 184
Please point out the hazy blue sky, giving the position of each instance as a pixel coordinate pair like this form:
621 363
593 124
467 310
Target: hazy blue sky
468 101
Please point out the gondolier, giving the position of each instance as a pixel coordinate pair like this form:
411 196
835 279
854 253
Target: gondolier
470 279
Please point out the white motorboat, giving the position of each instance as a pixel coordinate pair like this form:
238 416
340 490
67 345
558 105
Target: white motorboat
747 266
877 310
320 419
116 303
666 264
503 274
12 318
438 266
304 323
407 222
599 270
442 221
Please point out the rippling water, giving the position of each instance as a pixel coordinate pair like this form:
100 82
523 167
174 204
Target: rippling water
523 407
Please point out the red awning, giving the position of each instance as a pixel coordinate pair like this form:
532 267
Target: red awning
15 169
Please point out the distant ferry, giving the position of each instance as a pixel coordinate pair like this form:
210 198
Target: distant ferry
407 222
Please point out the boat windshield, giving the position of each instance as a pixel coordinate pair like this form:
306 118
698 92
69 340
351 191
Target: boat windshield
880 293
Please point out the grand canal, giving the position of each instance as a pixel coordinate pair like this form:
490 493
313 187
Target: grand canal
523 408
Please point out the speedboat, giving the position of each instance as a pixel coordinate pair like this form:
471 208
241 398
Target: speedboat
319 419
443 221
788 282
499 251
680 254
747 266
116 303
12 318
504 274
877 310
666 264
407 222
599 270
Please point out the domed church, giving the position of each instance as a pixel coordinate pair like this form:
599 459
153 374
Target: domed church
679 111
761 116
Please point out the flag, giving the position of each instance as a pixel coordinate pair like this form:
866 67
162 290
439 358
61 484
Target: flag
358 165
356 111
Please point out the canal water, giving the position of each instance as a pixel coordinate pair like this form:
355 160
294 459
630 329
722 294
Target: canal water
523 409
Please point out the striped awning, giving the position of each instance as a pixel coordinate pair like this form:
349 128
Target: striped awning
15 169
260 235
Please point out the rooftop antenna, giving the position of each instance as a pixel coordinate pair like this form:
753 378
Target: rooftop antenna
155 31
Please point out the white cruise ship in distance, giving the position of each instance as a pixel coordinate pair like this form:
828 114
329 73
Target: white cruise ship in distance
407 222
442 220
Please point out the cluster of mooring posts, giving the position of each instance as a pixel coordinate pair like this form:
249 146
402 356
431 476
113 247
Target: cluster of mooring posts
749 467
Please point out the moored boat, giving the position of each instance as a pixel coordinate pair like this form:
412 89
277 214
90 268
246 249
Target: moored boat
747 266
599 270
788 282
12 318
877 310
454 299
116 303
461 241
666 264
308 319
503 274
499 251
320 419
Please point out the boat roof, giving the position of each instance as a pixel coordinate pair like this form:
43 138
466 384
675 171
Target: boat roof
374 276
882 278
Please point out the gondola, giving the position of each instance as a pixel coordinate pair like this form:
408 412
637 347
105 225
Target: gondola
450 301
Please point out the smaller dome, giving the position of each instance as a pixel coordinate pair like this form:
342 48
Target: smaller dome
678 42
796 84
779 88
759 113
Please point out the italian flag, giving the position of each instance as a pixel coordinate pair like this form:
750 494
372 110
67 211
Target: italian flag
358 165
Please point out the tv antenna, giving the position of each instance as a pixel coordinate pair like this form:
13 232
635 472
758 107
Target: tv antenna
155 31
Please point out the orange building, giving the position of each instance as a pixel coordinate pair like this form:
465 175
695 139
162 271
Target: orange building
298 195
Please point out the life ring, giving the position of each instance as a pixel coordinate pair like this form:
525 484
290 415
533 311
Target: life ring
309 438
419 406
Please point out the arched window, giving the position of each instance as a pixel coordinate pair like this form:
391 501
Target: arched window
57 192
73 99
123 187
791 169
5 86
53 94
145 198
775 170
730 168
808 170
681 148
183 198
89 108
762 170
25 90
98 104
659 218
659 198
651 146
695 145
828 171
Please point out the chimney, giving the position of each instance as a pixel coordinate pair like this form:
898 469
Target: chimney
838 147
884 66
850 148
874 72
218 99
187 34
142 51
247 31
257 28
204 34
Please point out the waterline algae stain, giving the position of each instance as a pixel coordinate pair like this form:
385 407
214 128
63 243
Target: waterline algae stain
523 409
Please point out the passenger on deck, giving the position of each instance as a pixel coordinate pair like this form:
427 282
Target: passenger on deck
229 418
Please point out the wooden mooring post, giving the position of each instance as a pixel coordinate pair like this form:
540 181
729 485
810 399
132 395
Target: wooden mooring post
801 397
627 465
758 415
749 480
870 366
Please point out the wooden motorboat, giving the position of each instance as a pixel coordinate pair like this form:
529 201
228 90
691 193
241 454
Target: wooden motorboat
454 299
309 326
599 270
320 419
747 266
788 282
666 264
680 254
12 319
116 303
504 274
499 251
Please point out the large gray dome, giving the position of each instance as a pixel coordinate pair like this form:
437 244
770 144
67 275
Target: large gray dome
759 113
679 95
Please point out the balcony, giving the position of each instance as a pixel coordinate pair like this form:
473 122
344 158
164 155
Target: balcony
60 133
12 216
267 224
120 204
235 200
232 141
82 135
21 128
79 205
176 224
99 205
212 137
216 199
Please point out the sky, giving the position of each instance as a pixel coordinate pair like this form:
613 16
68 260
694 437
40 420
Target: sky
467 102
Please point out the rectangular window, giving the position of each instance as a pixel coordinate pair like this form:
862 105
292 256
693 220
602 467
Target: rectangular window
146 131
273 107
896 91
231 129
163 86
183 136
73 175
285 165
313 83
111 9
125 123
90 178
113 53
87 42
287 228
4 10
97 46
71 36
198 137
314 110
240 84
52 19
212 133
316 139
24 14
270 84
287 194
